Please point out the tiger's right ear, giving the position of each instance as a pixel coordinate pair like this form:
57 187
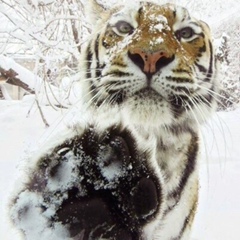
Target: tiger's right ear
95 12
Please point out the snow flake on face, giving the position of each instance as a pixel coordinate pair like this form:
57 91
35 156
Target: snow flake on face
159 23
158 18
155 41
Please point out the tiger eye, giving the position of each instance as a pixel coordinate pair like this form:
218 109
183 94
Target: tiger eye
185 33
124 27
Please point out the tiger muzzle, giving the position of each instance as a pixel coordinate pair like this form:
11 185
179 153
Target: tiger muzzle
150 62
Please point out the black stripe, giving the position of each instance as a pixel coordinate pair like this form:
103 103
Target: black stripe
180 70
177 105
174 13
89 56
140 10
118 73
194 23
203 48
179 79
96 47
201 68
189 169
117 64
210 69
185 224
96 51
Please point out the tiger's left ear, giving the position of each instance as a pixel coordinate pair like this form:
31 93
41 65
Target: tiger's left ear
95 12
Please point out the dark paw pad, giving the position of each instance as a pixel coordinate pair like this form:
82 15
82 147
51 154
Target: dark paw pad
145 198
84 214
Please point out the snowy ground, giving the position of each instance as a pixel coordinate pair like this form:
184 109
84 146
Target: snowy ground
219 209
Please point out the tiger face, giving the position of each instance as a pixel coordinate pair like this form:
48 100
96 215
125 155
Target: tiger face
155 63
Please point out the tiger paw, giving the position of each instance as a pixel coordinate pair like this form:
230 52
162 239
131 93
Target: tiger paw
97 184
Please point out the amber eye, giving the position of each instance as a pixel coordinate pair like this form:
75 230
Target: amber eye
185 33
124 27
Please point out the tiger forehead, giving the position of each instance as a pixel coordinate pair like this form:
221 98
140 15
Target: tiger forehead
158 15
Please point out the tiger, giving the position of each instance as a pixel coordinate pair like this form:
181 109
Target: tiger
149 80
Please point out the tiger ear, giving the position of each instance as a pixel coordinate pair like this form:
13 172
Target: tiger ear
95 12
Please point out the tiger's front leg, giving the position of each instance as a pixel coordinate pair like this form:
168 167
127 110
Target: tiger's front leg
94 185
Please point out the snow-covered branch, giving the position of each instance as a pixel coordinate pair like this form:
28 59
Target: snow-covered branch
44 92
17 75
51 31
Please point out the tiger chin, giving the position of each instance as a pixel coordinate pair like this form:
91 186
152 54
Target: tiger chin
149 80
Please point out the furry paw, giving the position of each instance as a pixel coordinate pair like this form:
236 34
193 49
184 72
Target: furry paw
96 185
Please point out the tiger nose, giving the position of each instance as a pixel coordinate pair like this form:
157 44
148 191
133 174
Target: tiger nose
149 63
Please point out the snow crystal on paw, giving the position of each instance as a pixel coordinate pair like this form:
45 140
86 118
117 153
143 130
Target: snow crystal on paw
112 171
27 213
113 159
65 174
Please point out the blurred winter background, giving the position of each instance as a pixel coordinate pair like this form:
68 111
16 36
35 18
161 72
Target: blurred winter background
40 43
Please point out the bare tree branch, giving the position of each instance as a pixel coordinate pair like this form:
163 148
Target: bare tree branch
12 78
41 113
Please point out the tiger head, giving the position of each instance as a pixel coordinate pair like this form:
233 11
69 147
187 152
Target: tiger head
155 63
